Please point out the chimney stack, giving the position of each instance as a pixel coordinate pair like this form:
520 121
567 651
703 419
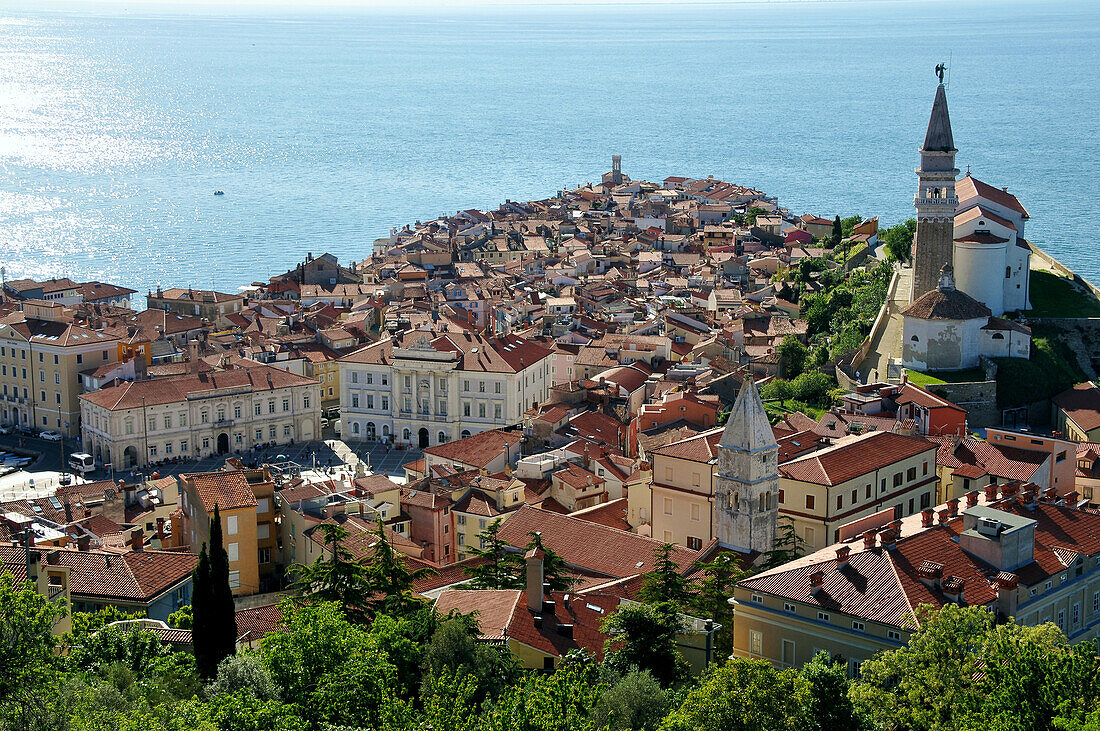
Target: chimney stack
160 528
137 539
991 492
1010 490
533 558
1072 497
842 556
931 573
869 539
888 539
971 498
1007 583
944 515
953 507
927 517
817 580
1050 495
954 589
193 355
896 526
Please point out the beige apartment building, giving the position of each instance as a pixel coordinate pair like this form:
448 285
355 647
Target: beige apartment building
42 354
203 303
1032 559
132 424
241 520
857 477
682 491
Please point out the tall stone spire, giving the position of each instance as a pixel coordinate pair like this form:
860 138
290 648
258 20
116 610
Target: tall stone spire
935 200
746 504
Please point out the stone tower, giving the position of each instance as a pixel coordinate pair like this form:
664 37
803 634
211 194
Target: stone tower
935 201
746 503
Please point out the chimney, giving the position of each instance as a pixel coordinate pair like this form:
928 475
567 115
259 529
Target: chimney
1007 583
971 498
1010 490
1028 498
160 528
842 556
193 355
817 580
953 506
896 526
888 540
869 539
990 492
927 517
931 574
945 515
1050 495
137 539
954 588
534 579
1072 497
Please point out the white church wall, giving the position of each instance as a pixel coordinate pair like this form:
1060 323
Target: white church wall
941 345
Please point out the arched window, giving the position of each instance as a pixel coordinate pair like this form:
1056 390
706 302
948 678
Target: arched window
1008 272
915 339
465 433
355 428
406 434
998 336
736 501
385 430
442 437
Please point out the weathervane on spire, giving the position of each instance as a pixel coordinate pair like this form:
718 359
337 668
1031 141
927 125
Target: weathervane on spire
940 68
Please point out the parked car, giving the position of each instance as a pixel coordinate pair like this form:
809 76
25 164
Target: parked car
50 435
5 430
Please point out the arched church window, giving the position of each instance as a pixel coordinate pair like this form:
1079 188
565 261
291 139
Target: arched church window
1008 272
736 501
915 339
998 336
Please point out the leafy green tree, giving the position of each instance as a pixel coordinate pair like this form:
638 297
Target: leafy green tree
340 579
643 637
813 388
712 598
454 651
555 572
636 701
962 670
223 611
848 225
26 638
665 583
899 239
244 672
743 695
182 618
135 649
560 701
504 568
240 711
792 356
777 390
389 577
787 547
828 707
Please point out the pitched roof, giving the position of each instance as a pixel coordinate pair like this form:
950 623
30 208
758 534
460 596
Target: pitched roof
938 137
946 304
748 428
175 389
227 490
129 576
969 187
588 545
850 459
477 450
1009 463
1081 404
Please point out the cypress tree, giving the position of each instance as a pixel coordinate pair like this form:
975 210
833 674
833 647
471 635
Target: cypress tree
222 611
838 233
202 630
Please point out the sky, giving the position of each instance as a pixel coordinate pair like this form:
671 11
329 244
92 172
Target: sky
303 4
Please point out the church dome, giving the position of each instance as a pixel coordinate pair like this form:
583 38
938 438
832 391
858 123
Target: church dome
946 303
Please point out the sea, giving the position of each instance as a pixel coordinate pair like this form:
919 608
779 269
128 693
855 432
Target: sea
325 128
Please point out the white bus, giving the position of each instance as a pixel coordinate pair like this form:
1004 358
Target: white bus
81 463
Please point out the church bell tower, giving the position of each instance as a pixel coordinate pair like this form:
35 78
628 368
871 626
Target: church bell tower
746 486
935 201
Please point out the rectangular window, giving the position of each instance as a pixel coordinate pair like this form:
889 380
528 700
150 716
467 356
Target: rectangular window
925 467
1075 614
790 608
498 387
911 474
183 445
809 502
668 506
355 377
781 496
893 634
271 431
839 502
264 555
481 411
897 479
355 401
858 626
263 531
263 504
496 411
823 616
694 543
481 386
256 409
233 549
868 491
234 579
231 525
756 642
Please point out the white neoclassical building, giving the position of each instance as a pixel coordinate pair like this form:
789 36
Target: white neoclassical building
427 387
135 423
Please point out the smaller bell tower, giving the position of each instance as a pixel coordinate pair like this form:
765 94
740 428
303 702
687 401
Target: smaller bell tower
746 505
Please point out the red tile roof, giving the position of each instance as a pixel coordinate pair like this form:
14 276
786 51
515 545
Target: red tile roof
969 186
1081 404
175 389
227 490
850 459
477 450
1008 463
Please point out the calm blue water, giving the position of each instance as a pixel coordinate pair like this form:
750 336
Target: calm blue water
325 129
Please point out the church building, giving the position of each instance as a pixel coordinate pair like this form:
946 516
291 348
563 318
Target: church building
970 263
